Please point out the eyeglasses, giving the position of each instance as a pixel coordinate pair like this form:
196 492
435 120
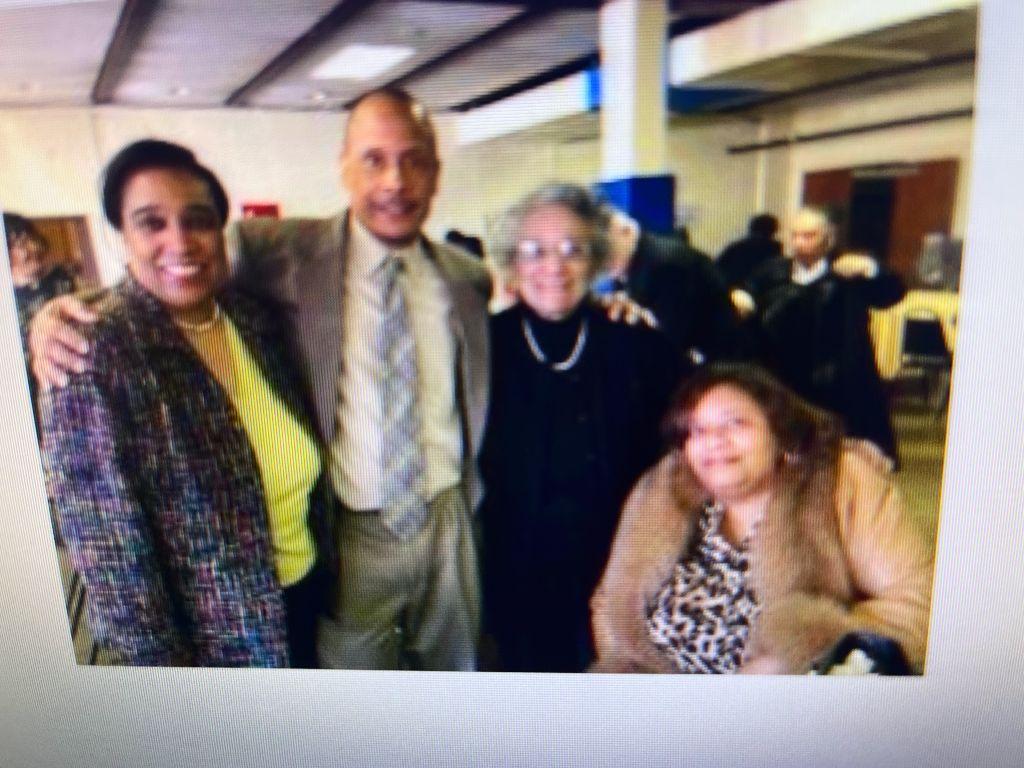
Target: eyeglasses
567 251
728 427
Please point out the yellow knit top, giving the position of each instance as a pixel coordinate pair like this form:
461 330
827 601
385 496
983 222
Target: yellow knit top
288 459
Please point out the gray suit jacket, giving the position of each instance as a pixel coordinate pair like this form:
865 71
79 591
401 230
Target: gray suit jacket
298 267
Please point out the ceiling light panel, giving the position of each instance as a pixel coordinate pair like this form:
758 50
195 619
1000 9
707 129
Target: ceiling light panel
196 53
359 61
429 29
52 54
533 48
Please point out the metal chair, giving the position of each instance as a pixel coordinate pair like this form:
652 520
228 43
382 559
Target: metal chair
924 356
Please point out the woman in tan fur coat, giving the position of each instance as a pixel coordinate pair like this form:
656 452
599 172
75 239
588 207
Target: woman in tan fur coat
759 542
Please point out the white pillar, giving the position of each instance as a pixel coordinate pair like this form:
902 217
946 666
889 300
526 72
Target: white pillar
632 36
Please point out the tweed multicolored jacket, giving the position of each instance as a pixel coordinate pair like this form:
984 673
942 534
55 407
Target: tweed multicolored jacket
158 491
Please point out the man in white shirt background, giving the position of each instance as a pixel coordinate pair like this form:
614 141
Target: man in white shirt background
808 318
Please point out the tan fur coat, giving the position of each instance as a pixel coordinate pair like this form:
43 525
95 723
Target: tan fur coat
820 569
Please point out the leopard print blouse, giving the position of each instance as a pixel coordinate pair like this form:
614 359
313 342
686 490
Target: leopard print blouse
702 615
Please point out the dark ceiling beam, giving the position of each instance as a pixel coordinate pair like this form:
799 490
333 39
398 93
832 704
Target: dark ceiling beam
330 23
718 8
710 13
539 5
689 16
508 26
135 18
691 23
542 78
852 130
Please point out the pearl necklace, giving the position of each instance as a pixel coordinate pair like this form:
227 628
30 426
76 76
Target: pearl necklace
540 357
205 325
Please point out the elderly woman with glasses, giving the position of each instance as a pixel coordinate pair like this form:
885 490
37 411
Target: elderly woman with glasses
575 406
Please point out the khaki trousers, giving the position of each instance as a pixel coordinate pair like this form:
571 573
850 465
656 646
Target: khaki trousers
405 604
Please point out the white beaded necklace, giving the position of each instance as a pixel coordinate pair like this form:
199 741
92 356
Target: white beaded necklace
540 357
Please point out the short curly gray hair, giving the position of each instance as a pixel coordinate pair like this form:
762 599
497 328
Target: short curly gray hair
576 199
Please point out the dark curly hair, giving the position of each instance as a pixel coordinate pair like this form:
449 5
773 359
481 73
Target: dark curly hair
807 435
149 154
16 225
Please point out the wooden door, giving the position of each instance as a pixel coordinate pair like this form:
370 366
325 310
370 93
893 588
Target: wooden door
923 203
70 245
924 195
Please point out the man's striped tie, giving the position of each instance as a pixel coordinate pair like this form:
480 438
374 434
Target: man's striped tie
401 462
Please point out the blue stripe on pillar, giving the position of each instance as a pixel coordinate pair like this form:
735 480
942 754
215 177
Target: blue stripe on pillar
648 199
593 99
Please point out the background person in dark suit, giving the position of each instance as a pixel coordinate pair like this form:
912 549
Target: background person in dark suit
810 325
678 284
741 258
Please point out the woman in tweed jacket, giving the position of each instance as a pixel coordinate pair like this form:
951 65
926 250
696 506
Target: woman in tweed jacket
181 463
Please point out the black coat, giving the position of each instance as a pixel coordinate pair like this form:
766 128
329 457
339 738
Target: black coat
742 258
816 338
683 289
561 452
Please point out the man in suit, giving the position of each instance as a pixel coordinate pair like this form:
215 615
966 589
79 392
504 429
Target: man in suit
810 320
390 331
678 284
740 258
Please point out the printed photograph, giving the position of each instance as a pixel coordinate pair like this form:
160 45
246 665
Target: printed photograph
465 335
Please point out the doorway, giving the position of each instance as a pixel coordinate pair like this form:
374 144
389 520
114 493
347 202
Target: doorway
887 209
70 245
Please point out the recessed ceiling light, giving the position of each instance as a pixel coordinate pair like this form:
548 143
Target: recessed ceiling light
318 96
180 90
10 5
361 62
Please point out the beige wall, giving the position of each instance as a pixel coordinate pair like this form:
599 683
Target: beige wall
714 191
717 192
50 159
942 90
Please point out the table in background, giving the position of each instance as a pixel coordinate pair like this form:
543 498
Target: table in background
887 325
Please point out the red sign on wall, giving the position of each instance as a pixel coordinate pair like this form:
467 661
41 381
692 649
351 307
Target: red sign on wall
261 211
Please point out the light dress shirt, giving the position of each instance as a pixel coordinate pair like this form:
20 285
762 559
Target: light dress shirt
356 448
802 275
